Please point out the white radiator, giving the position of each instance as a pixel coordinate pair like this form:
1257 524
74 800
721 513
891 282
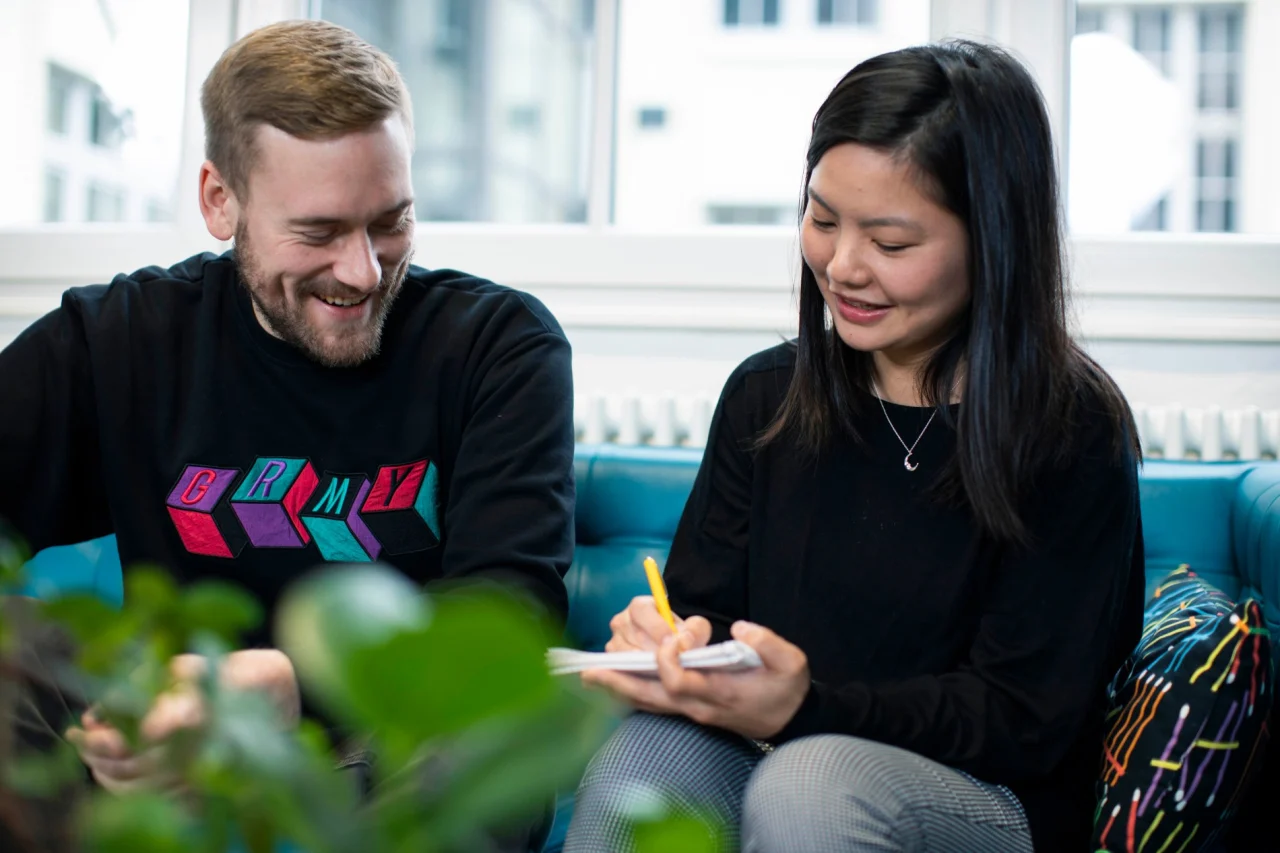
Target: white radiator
1169 432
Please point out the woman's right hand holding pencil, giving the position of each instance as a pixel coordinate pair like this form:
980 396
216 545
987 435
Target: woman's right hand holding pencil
641 627
648 621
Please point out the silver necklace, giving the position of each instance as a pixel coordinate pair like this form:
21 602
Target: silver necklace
906 460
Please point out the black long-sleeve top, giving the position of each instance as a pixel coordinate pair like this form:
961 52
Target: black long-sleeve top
921 631
158 408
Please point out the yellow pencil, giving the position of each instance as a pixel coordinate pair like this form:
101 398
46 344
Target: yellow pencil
659 593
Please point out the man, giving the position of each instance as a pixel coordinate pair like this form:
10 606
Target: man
309 396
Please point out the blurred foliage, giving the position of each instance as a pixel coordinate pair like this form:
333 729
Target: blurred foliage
466 728
662 824
677 832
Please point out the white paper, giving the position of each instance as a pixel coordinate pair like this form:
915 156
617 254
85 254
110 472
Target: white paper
730 656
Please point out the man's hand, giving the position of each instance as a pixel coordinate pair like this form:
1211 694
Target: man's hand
113 765
269 671
118 769
641 627
757 703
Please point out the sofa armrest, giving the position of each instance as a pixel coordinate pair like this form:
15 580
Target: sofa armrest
91 566
1256 533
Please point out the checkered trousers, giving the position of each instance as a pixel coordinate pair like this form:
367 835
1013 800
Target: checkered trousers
828 793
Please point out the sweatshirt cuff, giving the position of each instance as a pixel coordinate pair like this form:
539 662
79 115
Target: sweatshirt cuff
811 717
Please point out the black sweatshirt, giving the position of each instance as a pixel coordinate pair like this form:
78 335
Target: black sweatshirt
922 632
157 408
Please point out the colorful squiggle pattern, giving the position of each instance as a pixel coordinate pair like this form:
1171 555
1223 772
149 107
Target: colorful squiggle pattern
1189 721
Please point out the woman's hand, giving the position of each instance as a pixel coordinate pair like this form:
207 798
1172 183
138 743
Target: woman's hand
641 627
757 703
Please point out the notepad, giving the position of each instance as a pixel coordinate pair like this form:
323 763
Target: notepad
730 656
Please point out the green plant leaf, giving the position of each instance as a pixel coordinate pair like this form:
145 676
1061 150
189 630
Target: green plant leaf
512 766
222 609
13 558
137 823
149 591
329 615
277 785
314 738
481 656
44 775
84 614
676 832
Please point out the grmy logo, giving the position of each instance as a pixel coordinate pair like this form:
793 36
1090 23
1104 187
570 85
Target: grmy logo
282 503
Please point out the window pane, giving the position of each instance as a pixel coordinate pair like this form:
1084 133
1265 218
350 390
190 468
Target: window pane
748 214
1088 20
61 85
501 95
1151 36
654 117
1153 219
847 11
1219 58
750 13
103 108
739 100
106 203
1215 184
1158 136
54 190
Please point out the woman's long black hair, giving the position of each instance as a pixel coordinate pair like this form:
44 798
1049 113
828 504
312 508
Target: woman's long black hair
970 122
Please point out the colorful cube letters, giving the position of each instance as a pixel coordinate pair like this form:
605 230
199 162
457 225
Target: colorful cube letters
282 503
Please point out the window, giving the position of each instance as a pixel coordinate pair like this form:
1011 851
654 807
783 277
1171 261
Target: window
453 32
477 71
54 193
738 100
738 111
106 126
1088 20
158 210
526 118
750 12
846 11
1215 172
652 117
1150 144
746 214
106 203
1155 218
1220 58
104 101
61 82
1151 36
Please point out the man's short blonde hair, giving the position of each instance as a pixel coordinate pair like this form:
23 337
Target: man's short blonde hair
310 79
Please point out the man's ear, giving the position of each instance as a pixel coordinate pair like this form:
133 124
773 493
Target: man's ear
218 204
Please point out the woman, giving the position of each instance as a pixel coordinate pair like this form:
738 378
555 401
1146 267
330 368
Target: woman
923 513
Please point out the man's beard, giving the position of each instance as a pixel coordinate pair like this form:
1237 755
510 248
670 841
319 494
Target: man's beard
289 322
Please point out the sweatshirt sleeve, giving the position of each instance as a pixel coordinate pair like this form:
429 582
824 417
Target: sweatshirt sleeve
510 508
706 573
1034 673
51 486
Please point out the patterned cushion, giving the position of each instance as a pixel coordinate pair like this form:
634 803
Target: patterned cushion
1189 721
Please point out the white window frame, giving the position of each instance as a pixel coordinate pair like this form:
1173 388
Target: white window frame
1137 287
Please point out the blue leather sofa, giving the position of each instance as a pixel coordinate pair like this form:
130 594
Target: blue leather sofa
1222 518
